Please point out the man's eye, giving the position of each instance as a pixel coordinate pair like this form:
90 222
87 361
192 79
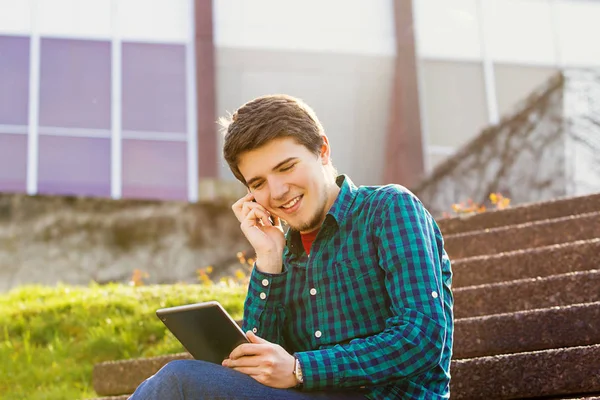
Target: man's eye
256 186
288 168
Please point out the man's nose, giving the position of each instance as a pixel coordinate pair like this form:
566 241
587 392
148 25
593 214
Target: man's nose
279 189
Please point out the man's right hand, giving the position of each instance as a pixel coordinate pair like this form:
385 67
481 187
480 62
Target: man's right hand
266 238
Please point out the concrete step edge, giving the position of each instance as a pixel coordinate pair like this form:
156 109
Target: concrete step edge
528 263
524 236
556 372
522 213
526 331
527 294
113 378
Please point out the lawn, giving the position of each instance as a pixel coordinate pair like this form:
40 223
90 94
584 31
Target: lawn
52 336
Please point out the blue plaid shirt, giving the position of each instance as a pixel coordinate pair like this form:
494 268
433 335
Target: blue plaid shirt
371 306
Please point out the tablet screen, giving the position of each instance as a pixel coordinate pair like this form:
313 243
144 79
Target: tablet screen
205 330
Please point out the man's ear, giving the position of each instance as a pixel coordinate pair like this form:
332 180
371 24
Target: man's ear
325 153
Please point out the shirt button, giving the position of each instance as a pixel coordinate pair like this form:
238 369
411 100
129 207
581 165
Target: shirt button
313 291
265 282
434 295
318 334
254 330
263 296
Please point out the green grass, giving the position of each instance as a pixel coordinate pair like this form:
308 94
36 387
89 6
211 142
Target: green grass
51 337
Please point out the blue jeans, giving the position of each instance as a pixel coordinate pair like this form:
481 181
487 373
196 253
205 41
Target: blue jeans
192 379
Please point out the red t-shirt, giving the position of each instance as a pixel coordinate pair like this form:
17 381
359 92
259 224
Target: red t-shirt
308 239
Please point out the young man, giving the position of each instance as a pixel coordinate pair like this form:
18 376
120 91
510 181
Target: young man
354 301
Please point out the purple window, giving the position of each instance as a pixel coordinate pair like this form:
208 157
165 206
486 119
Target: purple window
14 80
75 83
154 169
154 96
13 163
74 166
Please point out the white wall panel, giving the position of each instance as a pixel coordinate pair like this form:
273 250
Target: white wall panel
155 20
74 18
15 17
578 32
447 29
331 94
343 26
520 31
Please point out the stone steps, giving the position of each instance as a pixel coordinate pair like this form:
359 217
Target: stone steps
523 236
542 329
527 306
529 263
527 331
521 214
553 372
527 294
557 372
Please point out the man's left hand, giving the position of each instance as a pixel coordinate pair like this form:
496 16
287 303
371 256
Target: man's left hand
264 361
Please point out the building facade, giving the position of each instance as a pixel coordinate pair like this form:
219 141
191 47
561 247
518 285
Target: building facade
119 98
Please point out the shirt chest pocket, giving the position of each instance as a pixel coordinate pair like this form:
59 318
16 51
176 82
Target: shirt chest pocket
361 274
358 296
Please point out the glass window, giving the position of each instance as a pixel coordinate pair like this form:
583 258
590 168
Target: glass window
454 104
154 169
13 163
515 82
14 80
74 166
75 83
154 96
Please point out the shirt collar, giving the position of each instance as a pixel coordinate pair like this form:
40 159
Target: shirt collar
343 203
338 211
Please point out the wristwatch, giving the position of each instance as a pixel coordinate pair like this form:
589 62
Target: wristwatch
298 373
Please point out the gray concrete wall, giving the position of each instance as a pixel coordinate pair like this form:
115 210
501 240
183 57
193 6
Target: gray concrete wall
46 240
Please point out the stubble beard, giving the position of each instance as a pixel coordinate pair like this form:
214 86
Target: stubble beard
316 219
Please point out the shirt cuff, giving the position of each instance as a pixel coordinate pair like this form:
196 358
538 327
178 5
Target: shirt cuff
319 369
264 286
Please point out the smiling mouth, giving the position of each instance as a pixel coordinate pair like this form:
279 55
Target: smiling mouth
290 204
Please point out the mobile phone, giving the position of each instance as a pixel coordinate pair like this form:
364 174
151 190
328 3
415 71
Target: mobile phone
271 220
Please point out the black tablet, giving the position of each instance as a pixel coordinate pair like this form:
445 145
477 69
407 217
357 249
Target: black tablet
206 330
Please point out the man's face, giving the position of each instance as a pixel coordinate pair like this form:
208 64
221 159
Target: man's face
290 182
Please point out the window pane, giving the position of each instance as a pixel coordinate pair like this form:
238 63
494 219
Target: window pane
154 169
74 166
75 83
14 80
515 82
450 88
13 163
154 87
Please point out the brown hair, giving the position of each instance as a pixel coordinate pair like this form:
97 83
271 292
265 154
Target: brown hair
264 119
